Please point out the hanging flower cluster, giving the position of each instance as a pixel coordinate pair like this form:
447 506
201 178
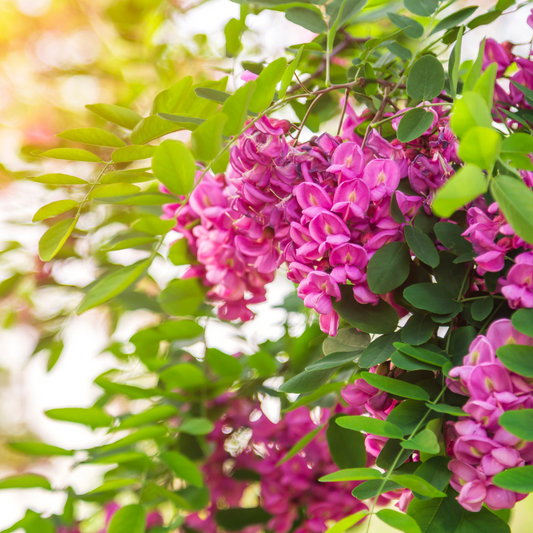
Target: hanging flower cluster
480 447
322 207
245 440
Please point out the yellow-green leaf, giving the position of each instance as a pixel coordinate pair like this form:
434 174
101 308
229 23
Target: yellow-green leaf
53 209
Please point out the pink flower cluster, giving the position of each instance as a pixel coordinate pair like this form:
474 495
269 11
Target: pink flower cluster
493 239
245 440
480 447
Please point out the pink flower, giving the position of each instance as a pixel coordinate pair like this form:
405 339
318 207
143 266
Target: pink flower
518 286
496 53
329 231
382 177
316 291
248 76
348 160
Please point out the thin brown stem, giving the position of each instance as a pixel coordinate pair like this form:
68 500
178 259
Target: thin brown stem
346 95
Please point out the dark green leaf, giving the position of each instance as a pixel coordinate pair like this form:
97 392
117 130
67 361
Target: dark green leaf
388 268
412 28
482 308
406 362
516 479
431 297
422 354
426 79
422 8
333 360
183 468
307 381
373 487
236 519
395 386
450 235
379 350
446 409
422 246
380 318
414 123
347 340
347 448
370 425
454 19
418 329
223 364
417 484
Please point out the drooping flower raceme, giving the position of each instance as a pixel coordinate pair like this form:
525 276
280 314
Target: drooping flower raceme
480 447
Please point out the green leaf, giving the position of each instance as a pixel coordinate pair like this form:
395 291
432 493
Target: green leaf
183 376
112 190
232 33
59 179
431 297
422 8
306 399
25 481
395 386
398 520
464 187
522 320
373 487
349 8
436 472
454 19
417 484
139 199
352 474
446 409
167 101
112 485
519 423
113 284
147 433
450 235
39 448
517 148
174 166
333 360
379 350
153 414
132 153
153 127
426 79
437 515
370 425
223 364
183 468
526 91
300 445
236 108
179 253
347 522
238 518
266 85
516 479
482 308
485 84
347 340
71 154
126 176
289 74
95 136
307 381
182 297
422 354
455 63
308 18
418 329
212 94
153 225
414 123
468 112
425 441
412 28
94 417
517 358
197 426
54 238
129 519
117 115
207 138
380 318
515 200
53 209
388 268
481 147
422 246
347 447
475 70
400 51
406 362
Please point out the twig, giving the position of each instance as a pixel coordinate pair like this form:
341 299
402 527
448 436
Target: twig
346 95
